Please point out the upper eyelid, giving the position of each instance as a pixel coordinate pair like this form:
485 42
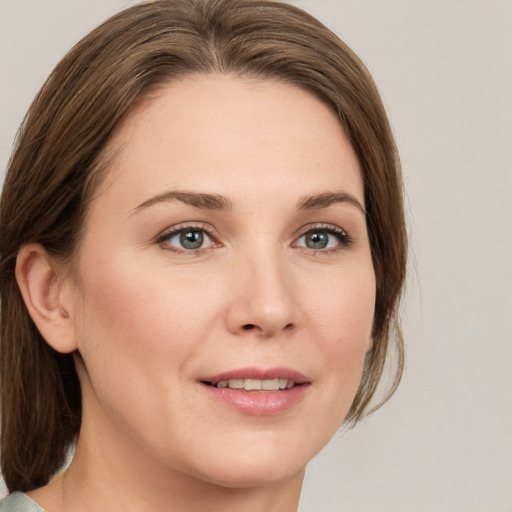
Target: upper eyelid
201 226
174 230
320 225
344 238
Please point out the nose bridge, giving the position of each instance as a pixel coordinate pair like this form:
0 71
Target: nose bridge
264 300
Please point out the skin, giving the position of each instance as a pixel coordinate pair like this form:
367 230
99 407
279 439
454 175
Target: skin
148 319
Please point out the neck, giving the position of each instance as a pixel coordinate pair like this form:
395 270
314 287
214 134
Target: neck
105 475
141 490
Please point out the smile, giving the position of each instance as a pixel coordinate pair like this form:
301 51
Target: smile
255 384
258 392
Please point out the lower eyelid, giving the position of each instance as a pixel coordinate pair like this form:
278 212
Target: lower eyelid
163 239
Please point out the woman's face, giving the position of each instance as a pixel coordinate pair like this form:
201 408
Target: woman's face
226 249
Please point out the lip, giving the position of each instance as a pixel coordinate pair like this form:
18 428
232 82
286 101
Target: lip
258 403
261 374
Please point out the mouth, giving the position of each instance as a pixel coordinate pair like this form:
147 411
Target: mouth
278 384
258 392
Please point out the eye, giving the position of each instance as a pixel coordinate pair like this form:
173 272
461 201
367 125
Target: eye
186 239
324 238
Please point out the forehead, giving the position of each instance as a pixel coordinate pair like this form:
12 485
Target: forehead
229 134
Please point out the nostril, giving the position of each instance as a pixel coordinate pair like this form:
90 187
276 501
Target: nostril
248 327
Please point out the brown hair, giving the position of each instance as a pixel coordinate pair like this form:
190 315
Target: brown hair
59 158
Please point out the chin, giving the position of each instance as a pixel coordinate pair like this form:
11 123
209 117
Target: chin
257 463
255 475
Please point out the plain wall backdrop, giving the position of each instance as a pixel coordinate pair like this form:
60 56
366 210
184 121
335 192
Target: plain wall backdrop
444 68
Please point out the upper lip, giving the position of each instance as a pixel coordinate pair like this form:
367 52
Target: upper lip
260 374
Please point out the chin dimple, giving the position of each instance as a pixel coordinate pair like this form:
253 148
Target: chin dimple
255 384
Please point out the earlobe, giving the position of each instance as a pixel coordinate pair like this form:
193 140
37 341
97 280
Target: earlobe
42 290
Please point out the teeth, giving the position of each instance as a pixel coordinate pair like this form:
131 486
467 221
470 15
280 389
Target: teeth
236 384
256 384
270 385
252 384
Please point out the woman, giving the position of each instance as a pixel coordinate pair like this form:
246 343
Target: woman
202 252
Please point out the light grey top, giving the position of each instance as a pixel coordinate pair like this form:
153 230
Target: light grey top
19 502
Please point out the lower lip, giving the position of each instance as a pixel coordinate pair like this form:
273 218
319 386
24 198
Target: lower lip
259 403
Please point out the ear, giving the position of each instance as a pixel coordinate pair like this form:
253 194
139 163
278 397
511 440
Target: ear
46 296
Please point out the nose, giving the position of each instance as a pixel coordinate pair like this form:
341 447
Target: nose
264 301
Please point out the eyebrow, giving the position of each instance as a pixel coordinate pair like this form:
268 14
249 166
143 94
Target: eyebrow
318 201
221 203
197 199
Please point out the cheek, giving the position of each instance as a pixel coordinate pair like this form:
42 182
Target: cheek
342 317
343 309
137 334
132 305
128 323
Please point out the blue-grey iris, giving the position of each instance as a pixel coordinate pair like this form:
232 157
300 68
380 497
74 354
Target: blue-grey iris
191 239
317 239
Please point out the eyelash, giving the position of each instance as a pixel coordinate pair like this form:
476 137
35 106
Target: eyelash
184 228
344 239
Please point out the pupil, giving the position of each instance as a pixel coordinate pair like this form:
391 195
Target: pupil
317 240
192 239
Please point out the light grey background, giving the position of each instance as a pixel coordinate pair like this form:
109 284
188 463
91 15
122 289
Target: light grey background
444 442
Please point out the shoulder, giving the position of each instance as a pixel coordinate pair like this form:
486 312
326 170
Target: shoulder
19 502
